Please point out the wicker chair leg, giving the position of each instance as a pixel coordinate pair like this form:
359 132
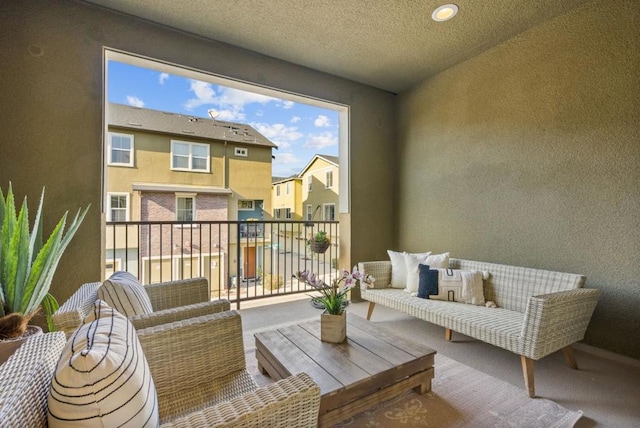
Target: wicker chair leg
527 371
568 353
370 311
447 334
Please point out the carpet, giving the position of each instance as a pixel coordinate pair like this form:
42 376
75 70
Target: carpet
460 397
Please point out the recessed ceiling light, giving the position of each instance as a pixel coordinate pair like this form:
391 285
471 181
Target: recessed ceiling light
444 12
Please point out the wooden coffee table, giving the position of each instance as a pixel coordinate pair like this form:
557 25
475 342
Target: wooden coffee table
371 366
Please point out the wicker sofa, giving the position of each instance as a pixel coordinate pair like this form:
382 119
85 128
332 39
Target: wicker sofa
199 370
538 311
171 301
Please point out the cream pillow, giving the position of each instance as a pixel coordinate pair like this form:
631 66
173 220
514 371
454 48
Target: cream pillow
412 261
123 292
398 268
102 378
438 261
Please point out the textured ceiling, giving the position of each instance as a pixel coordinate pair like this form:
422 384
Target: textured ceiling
388 44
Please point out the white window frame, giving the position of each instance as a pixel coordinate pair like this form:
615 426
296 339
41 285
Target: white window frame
288 188
277 212
309 212
309 182
242 152
111 149
252 204
126 209
277 190
288 214
193 209
328 179
190 156
324 212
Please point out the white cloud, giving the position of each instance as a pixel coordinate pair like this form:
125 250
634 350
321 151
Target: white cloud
285 158
204 95
295 119
320 141
233 115
229 99
287 105
134 101
322 121
163 78
236 97
279 133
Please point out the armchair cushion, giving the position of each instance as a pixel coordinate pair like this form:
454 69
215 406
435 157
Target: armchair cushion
125 294
102 378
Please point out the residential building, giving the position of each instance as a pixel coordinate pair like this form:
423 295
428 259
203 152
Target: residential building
172 167
320 179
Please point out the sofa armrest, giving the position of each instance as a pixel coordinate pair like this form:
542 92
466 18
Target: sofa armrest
25 380
195 351
380 270
290 402
172 294
72 312
178 314
553 321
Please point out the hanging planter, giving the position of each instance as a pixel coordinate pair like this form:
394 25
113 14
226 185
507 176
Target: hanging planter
319 243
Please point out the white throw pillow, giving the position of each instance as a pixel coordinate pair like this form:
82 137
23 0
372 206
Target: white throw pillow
460 286
102 378
412 261
123 292
398 268
438 261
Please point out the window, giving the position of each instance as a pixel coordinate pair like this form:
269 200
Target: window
309 212
189 156
118 207
277 212
185 208
246 205
120 149
288 187
309 182
329 212
242 152
329 180
277 190
287 213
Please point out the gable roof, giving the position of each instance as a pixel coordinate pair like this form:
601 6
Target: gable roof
278 180
124 116
334 160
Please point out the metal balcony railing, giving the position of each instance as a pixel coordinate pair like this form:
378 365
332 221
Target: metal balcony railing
242 260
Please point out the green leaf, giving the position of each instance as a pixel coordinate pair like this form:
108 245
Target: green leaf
49 307
36 233
20 259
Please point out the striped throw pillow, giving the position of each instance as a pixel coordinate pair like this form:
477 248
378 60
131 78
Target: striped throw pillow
102 378
123 292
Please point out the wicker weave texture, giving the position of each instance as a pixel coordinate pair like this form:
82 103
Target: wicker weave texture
199 369
25 379
163 296
180 313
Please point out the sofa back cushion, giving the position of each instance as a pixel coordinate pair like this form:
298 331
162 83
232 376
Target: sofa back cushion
511 286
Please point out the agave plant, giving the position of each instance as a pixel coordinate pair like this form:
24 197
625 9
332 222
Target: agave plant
27 266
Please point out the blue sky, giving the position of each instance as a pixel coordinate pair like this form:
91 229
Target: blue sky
299 130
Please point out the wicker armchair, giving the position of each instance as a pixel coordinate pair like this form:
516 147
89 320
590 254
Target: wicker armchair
199 369
25 379
171 301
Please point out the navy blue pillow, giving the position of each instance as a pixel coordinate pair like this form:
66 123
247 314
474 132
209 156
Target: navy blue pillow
428 284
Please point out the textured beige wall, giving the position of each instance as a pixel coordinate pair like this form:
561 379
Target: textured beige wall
529 154
51 115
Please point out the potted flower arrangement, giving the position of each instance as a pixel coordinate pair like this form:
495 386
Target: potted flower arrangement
27 267
333 299
319 242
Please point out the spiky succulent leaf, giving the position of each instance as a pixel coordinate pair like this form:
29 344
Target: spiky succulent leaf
50 306
19 265
35 243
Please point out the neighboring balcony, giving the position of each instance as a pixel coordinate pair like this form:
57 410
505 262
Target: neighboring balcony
242 260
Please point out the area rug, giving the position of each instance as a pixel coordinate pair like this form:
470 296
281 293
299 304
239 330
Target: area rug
460 397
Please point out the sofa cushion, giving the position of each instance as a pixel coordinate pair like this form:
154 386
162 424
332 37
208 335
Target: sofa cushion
123 292
102 378
412 261
399 269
